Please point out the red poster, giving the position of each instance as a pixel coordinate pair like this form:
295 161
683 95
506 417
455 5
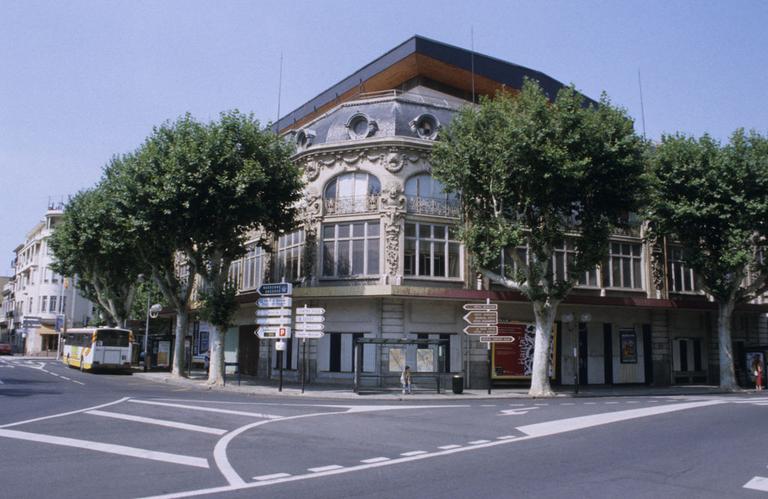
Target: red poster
515 360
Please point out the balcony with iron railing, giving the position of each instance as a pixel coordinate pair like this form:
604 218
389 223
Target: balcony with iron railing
440 207
352 205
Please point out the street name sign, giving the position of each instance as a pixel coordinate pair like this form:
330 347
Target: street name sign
276 289
497 339
309 334
310 326
481 330
309 322
477 317
275 302
310 311
481 306
273 312
310 318
273 321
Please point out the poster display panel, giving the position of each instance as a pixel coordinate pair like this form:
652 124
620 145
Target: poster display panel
515 360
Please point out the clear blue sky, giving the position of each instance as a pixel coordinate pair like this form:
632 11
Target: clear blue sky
83 80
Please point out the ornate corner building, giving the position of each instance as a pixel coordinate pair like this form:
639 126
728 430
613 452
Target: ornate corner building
377 248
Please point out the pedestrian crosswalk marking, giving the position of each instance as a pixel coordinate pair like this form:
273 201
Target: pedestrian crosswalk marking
271 477
122 450
159 422
207 409
757 483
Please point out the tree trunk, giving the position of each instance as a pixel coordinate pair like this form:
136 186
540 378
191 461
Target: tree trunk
724 320
545 312
217 368
182 323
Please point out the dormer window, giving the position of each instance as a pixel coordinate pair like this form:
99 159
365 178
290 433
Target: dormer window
361 126
425 126
305 138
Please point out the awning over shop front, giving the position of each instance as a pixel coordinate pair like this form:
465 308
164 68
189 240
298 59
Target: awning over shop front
45 330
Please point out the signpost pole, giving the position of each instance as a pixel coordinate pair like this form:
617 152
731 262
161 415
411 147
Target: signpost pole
303 362
280 361
489 368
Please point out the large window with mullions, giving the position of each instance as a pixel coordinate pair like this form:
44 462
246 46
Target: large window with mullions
351 249
431 250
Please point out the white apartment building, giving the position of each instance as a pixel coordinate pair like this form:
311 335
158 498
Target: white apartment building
37 295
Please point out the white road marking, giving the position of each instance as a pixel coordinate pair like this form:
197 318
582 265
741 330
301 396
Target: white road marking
159 422
628 414
632 402
582 422
488 405
516 412
505 437
590 403
208 409
610 403
757 483
78 382
122 450
541 404
568 403
413 453
374 460
17 423
325 468
272 476
478 442
68 379
448 447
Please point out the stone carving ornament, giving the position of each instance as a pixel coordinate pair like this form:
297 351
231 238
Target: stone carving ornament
393 206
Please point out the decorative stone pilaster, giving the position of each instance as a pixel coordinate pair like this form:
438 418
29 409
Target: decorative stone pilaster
393 208
310 215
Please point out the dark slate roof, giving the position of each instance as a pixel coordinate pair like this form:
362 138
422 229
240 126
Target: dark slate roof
492 68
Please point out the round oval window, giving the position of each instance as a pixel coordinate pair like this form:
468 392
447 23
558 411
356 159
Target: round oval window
359 126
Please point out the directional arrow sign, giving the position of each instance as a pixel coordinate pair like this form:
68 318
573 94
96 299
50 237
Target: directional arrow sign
310 318
476 317
310 311
273 332
487 330
311 326
275 301
481 306
497 339
309 334
273 321
275 289
272 312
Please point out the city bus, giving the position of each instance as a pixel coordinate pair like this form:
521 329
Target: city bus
97 348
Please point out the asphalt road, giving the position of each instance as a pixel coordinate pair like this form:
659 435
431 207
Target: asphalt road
64 433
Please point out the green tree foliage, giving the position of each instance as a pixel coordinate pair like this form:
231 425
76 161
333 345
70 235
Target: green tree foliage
533 173
92 242
713 200
193 193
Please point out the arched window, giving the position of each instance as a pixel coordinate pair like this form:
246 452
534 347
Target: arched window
352 193
427 196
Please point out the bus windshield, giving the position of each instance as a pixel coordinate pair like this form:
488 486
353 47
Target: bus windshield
112 337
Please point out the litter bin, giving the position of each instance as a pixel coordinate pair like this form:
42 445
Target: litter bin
458 384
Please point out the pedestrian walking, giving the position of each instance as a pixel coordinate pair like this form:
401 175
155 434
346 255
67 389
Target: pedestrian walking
406 380
758 372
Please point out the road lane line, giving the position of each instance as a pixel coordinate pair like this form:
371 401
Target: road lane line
122 450
757 483
505 437
372 460
208 409
325 468
448 447
159 422
582 422
62 414
413 453
272 476
478 442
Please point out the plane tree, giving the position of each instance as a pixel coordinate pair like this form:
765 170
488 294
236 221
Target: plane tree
712 199
534 174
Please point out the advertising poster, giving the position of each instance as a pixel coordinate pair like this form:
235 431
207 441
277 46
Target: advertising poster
628 346
515 360
425 360
396 360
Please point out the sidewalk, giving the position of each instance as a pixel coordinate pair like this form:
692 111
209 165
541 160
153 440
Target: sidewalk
250 385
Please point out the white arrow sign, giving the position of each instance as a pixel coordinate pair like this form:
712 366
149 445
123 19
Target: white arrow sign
273 312
311 326
310 318
273 332
273 321
310 311
309 334
275 301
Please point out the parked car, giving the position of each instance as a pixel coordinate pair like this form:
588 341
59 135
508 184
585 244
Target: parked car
5 349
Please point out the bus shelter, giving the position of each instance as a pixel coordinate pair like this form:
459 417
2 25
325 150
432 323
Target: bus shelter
392 354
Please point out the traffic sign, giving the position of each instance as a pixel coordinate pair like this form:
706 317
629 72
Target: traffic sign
310 318
273 321
272 312
481 306
497 339
275 301
276 288
309 334
477 317
273 332
311 326
310 311
481 329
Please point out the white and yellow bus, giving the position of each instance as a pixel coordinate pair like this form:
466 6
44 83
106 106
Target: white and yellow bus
97 348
